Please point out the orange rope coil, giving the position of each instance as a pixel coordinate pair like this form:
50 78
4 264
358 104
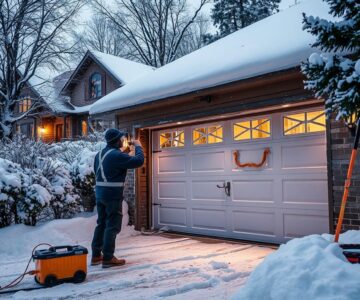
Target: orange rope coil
251 164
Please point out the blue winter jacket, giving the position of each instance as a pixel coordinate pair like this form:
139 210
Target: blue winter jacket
115 167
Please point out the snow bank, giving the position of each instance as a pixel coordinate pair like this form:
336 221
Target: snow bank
19 240
312 267
272 44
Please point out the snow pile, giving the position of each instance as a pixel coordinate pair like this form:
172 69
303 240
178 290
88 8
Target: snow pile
272 44
57 232
311 267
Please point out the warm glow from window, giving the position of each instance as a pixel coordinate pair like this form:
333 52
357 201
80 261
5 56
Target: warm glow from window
172 139
252 129
84 128
24 105
306 122
208 135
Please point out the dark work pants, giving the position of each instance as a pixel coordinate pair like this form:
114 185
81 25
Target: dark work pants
108 226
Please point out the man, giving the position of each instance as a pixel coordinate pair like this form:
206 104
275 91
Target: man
110 168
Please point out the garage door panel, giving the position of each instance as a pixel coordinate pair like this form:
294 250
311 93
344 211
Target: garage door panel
254 222
298 224
214 219
252 191
208 162
286 198
175 216
169 164
303 156
172 190
313 192
207 190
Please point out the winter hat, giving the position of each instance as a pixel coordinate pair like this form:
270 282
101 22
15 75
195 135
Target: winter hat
113 135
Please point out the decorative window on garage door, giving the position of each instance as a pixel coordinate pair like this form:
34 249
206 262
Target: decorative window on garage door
305 122
208 135
172 139
252 129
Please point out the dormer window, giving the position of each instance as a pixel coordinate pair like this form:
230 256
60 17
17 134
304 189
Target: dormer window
95 90
24 105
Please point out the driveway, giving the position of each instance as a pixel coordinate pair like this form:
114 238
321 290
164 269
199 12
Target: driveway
165 266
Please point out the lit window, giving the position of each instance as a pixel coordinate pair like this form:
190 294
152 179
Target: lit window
208 135
24 105
95 90
304 123
84 128
172 139
252 129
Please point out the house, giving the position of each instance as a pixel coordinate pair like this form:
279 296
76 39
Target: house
235 146
69 96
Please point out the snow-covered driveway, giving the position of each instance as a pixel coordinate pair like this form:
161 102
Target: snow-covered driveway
158 266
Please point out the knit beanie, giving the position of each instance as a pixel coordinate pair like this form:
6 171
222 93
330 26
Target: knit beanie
112 135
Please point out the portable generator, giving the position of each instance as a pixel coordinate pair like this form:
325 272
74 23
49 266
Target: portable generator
59 264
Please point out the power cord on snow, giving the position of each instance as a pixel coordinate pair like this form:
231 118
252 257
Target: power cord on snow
17 280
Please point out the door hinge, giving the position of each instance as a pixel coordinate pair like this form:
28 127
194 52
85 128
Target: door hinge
156 204
157 151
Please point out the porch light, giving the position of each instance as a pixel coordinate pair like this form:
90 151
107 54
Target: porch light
42 129
351 122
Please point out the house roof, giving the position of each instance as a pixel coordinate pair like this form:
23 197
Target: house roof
122 70
275 43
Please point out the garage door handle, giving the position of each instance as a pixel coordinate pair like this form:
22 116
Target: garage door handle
227 188
156 204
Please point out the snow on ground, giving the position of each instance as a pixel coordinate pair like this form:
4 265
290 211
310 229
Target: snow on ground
312 267
158 267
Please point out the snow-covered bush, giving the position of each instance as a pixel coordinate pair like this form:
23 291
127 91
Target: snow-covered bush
35 200
82 170
10 192
25 152
65 202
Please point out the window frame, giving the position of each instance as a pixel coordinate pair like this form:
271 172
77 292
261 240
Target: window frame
250 119
101 86
294 112
207 126
171 130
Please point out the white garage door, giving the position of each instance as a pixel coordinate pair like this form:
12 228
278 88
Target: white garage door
200 186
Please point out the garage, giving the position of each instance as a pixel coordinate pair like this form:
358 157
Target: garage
260 178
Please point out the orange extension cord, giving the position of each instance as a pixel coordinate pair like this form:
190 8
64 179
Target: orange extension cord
251 164
17 280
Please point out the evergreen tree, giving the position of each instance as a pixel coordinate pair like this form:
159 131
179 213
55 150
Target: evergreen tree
231 15
334 74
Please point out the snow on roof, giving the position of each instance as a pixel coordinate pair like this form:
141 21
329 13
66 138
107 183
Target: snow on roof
272 44
48 83
123 69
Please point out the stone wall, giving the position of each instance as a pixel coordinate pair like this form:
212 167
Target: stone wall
341 146
129 195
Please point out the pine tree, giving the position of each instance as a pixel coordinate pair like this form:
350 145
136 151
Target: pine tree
231 15
334 74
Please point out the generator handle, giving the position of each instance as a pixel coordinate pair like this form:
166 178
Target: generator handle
54 248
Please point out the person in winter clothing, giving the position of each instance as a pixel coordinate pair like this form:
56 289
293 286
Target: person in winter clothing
110 167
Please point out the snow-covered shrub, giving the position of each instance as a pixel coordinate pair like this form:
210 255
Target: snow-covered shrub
24 151
10 191
65 202
82 171
35 200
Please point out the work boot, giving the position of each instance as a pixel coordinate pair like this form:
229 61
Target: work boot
114 262
96 260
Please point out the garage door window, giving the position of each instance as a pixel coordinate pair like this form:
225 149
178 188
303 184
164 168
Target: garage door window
208 135
252 129
306 122
172 139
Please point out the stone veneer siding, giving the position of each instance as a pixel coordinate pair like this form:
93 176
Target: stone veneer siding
341 143
129 195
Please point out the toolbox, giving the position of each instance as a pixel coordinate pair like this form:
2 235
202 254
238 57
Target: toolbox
59 264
